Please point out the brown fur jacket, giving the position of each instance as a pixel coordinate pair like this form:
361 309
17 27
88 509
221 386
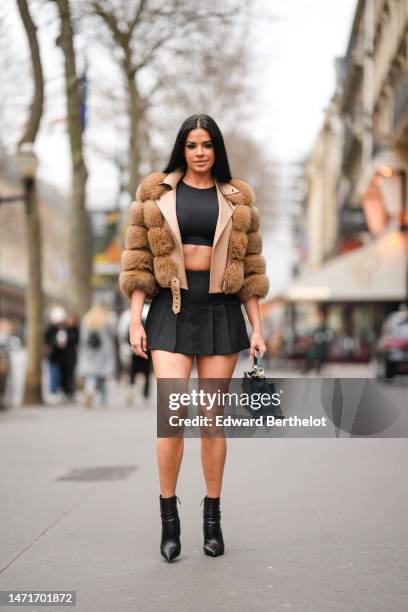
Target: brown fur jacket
146 262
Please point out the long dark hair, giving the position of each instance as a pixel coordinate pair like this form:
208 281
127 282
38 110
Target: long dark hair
221 169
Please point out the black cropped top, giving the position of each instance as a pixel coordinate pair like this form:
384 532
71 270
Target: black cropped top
197 213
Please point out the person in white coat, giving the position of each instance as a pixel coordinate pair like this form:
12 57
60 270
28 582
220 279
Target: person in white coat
97 360
133 364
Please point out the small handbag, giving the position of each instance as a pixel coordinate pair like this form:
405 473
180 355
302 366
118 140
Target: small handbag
254 382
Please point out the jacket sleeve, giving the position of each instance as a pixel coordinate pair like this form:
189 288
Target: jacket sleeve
137 258
256 281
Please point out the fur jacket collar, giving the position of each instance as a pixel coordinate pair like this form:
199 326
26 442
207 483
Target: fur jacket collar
153 254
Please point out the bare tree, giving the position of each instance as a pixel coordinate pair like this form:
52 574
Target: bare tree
160 38
250 162
34 294
79 224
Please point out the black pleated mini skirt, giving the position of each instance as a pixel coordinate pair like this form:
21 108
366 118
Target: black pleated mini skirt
207 324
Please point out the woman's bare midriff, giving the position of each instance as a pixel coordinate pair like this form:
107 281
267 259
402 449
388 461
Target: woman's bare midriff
197 256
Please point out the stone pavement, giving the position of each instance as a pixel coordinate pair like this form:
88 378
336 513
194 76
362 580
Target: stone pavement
310 525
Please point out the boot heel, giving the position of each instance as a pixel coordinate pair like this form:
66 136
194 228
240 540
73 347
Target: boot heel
213 540
170 545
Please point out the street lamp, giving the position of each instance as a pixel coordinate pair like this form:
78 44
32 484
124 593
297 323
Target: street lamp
26 162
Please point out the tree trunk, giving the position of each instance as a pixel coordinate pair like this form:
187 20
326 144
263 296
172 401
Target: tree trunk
134 153
79 223
134 124
34 294
37 103
33 301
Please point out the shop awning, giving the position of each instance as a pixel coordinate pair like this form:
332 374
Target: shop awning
375 272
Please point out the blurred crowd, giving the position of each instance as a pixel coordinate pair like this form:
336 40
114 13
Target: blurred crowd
85 355
80 357
386 353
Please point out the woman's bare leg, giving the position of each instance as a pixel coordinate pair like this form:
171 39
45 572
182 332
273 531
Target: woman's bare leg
170 450
214 449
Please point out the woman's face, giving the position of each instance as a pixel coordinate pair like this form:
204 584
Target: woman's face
199 151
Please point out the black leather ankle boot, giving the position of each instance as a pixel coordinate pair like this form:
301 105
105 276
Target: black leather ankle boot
170 545
213 540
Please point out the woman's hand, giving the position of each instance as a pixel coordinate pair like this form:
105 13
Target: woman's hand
138 340
257 343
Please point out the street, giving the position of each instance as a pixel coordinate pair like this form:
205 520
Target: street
310 525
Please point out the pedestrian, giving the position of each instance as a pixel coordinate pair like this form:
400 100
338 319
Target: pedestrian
132 363
10 345
69 357
96 359
318 346
56 339
193 249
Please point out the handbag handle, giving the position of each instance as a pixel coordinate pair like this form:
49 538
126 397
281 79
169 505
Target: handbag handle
257 365
258 360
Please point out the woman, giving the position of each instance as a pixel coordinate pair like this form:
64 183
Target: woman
96 360
194 249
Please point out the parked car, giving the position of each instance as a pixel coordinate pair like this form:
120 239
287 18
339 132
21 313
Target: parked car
391 353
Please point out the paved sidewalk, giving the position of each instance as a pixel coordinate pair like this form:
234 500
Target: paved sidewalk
310 525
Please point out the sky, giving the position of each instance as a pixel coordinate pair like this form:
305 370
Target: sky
296 68
292 78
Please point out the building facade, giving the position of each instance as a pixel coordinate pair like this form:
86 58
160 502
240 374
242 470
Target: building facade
356 202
